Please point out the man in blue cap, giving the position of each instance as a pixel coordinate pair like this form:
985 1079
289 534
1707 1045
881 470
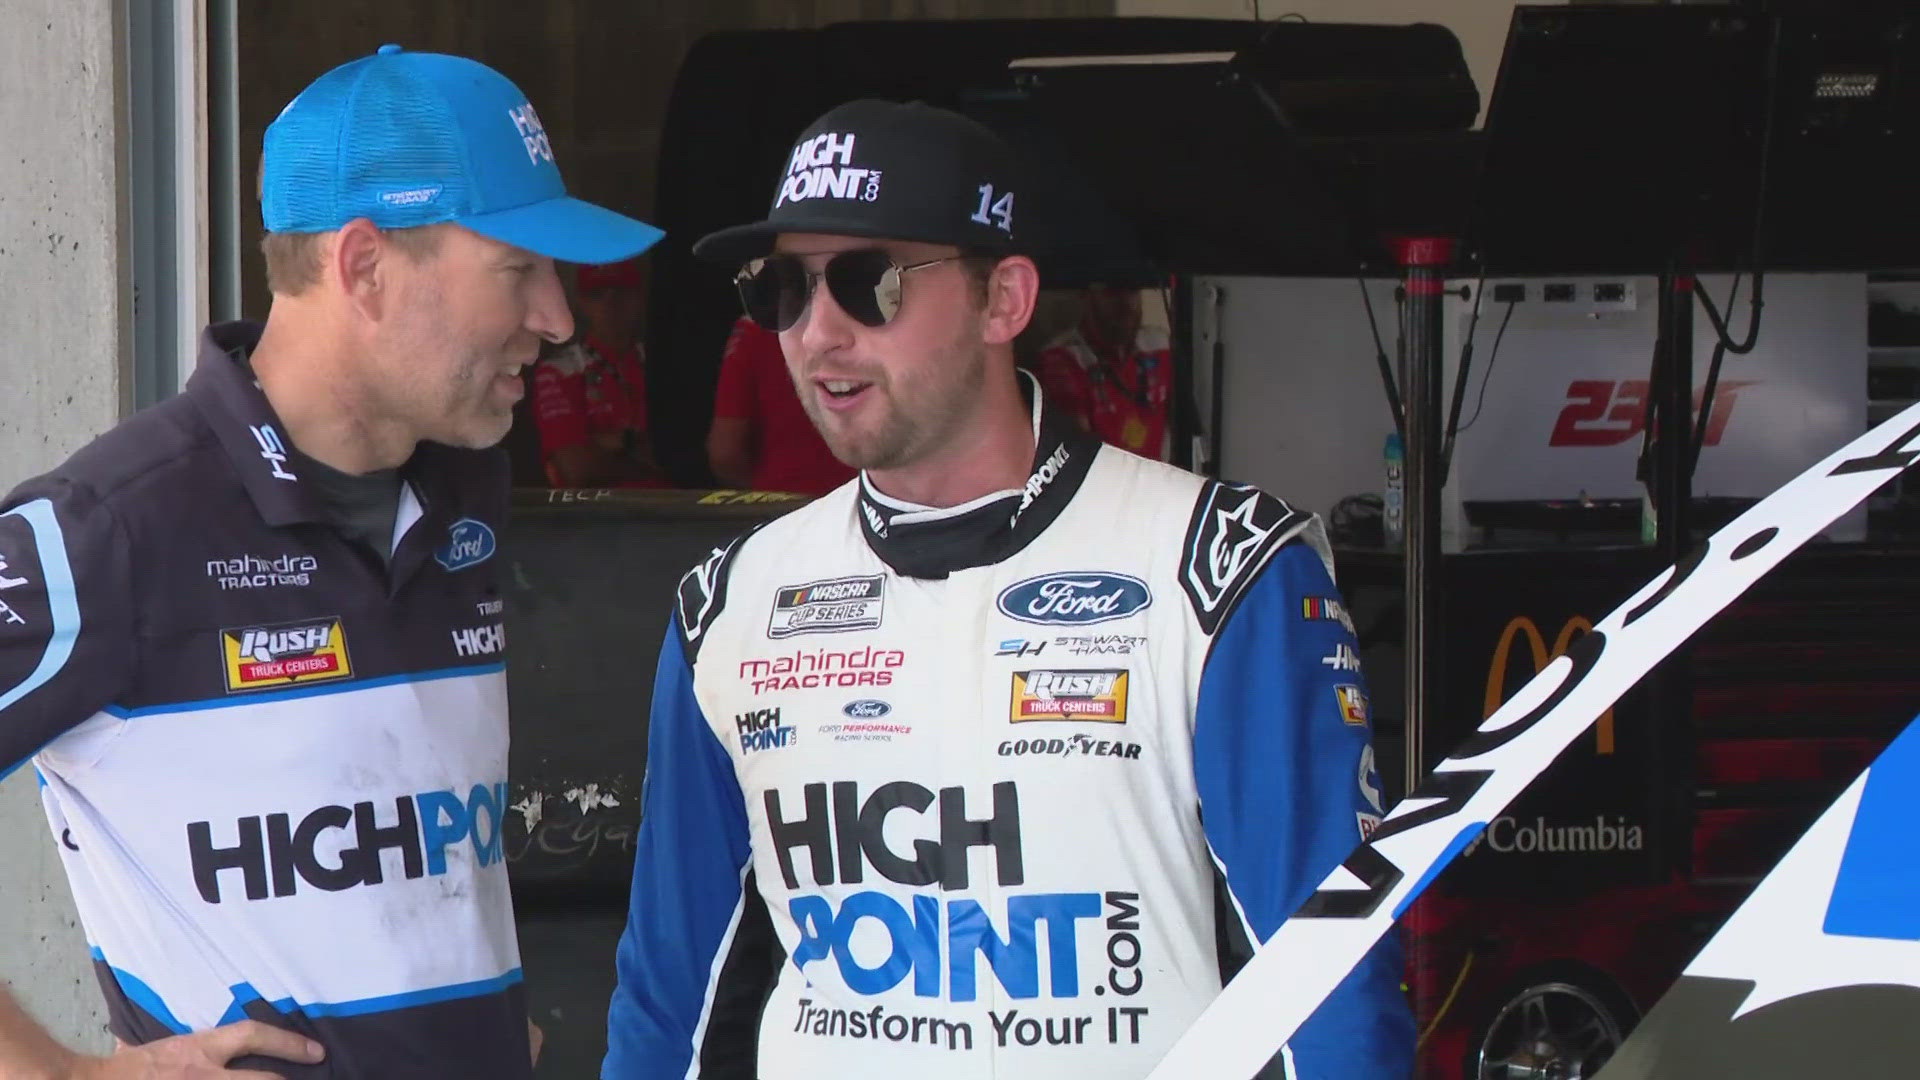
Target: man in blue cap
251 639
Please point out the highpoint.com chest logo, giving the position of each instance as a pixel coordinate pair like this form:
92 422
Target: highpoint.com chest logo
822 168
837 852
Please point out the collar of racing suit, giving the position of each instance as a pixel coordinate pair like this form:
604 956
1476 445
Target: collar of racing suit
265 460
922 542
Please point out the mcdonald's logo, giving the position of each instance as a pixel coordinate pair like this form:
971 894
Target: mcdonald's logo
1522 627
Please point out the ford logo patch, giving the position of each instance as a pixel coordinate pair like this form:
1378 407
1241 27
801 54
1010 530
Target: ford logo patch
867 709
469 543
1075 598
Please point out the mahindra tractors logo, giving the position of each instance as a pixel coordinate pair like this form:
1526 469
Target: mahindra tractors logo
1603 412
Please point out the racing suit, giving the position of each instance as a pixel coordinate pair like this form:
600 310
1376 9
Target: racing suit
1003 790
274 763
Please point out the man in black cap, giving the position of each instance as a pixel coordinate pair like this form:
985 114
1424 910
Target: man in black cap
995 761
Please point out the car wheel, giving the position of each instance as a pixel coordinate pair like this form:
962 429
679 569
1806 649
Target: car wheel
1561 1023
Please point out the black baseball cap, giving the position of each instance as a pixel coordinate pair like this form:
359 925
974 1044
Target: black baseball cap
890 171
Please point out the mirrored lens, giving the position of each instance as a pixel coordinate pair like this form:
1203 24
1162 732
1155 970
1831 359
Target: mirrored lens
774 291
866 286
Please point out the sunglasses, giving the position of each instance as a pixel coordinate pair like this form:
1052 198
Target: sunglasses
864 283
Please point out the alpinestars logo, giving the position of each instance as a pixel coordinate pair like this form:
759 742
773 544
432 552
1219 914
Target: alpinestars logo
702 592
822 168
258 657
1233 532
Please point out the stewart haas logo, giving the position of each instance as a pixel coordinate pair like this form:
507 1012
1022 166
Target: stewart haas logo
283 654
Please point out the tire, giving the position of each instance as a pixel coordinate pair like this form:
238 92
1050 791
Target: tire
1556 1022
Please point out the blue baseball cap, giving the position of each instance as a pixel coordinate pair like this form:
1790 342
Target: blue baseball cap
405 139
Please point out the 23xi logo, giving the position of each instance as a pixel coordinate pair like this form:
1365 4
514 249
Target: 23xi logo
1602 412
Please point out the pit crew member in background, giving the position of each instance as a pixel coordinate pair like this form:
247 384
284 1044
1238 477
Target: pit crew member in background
761 438
1113 373
996 762
590 398
251 637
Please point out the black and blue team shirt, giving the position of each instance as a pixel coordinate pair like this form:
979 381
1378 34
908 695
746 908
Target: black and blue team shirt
1002 791
275 767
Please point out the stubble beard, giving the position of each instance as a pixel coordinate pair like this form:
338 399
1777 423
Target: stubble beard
908 432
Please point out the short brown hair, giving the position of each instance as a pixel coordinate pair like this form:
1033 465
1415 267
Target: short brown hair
293 259
979 269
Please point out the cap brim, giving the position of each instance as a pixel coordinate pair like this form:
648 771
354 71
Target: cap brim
738 243
741 243
569 230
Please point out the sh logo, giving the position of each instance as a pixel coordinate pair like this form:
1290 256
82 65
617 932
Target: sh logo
273 450
469 543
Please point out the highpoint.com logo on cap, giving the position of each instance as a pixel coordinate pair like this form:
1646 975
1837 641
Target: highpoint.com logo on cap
532 133
812 174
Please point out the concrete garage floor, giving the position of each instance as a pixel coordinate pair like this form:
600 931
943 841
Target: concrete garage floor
568 961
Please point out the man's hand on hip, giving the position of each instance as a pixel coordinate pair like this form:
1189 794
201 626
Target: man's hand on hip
202 1055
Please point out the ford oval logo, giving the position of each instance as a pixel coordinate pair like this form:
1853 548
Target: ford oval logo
469 543
867 709
1075 598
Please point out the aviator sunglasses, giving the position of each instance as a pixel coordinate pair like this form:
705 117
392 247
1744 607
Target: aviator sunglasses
865 283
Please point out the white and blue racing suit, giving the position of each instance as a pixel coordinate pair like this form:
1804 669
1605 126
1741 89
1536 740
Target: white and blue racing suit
999 791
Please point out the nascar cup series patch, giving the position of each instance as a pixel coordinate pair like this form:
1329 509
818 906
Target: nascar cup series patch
825 607
285 654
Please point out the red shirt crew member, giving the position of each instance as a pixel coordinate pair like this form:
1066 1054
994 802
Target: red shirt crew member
1113 373
590 399
761 437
